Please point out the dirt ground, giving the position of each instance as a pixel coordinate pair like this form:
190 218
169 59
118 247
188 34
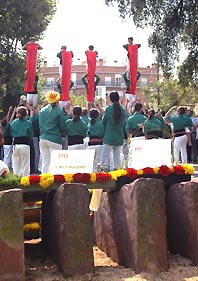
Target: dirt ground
40 268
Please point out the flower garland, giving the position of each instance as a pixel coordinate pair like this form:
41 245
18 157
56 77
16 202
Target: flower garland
46 180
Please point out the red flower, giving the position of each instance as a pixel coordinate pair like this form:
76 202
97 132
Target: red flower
81 178
59 178
179 170
164 171
103 177
34 180
148 171
132 173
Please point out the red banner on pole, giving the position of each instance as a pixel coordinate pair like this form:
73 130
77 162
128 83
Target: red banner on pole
133 65
91 63
66 75
31 57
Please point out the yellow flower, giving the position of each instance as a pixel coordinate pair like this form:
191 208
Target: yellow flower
171 169
31 226
68 178
156 170
92 177
46 180
118 173
25 181
189 169
140 172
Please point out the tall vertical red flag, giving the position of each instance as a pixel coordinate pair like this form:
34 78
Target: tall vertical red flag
66 75
31 56
91 63
133 65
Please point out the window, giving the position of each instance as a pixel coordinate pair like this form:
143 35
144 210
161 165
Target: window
118 80
143 81
73 78
50 81
107 81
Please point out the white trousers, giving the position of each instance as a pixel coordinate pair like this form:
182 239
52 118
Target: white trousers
7 152
46 148
180 147
21 159
97 156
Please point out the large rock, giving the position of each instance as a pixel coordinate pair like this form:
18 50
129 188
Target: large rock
12 265
70 231
130 225
182 218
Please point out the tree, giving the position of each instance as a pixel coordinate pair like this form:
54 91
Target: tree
20 22
174 23
170 93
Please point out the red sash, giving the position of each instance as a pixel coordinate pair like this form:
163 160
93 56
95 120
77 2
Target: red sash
66 75
31 56
91 62
133 65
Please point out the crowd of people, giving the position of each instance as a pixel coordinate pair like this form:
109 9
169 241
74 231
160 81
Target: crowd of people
29 133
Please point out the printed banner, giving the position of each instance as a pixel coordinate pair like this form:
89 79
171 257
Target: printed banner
72 161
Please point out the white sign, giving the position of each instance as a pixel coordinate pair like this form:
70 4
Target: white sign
149 153
71 161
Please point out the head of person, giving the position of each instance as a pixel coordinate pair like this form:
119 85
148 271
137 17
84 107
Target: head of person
91 47
53 98
138 107
114 97
130 40
181 110
22 100
21 112
94 113
63 48
151 114
77 113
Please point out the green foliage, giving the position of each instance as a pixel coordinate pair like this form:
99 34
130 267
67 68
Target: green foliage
20 22
78 100
173 22
170 92
10 180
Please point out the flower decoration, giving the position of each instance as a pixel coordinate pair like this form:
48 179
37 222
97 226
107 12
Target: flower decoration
46 180
164 171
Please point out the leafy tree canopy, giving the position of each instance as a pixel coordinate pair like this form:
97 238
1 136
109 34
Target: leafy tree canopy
20 22
174 22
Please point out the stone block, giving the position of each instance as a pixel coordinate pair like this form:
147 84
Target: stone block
130 225
70 240
182 219
12 266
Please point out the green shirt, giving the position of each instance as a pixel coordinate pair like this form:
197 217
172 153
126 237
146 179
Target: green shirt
21 128
113 133
97 129
78 128
180 122
52 123
132 124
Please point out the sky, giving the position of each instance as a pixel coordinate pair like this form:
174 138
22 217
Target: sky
78 24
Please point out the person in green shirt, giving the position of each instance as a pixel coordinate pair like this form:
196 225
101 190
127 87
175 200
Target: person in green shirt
152 127
95 133
76 130
114 121
52 127
181 127
135 122
22 133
